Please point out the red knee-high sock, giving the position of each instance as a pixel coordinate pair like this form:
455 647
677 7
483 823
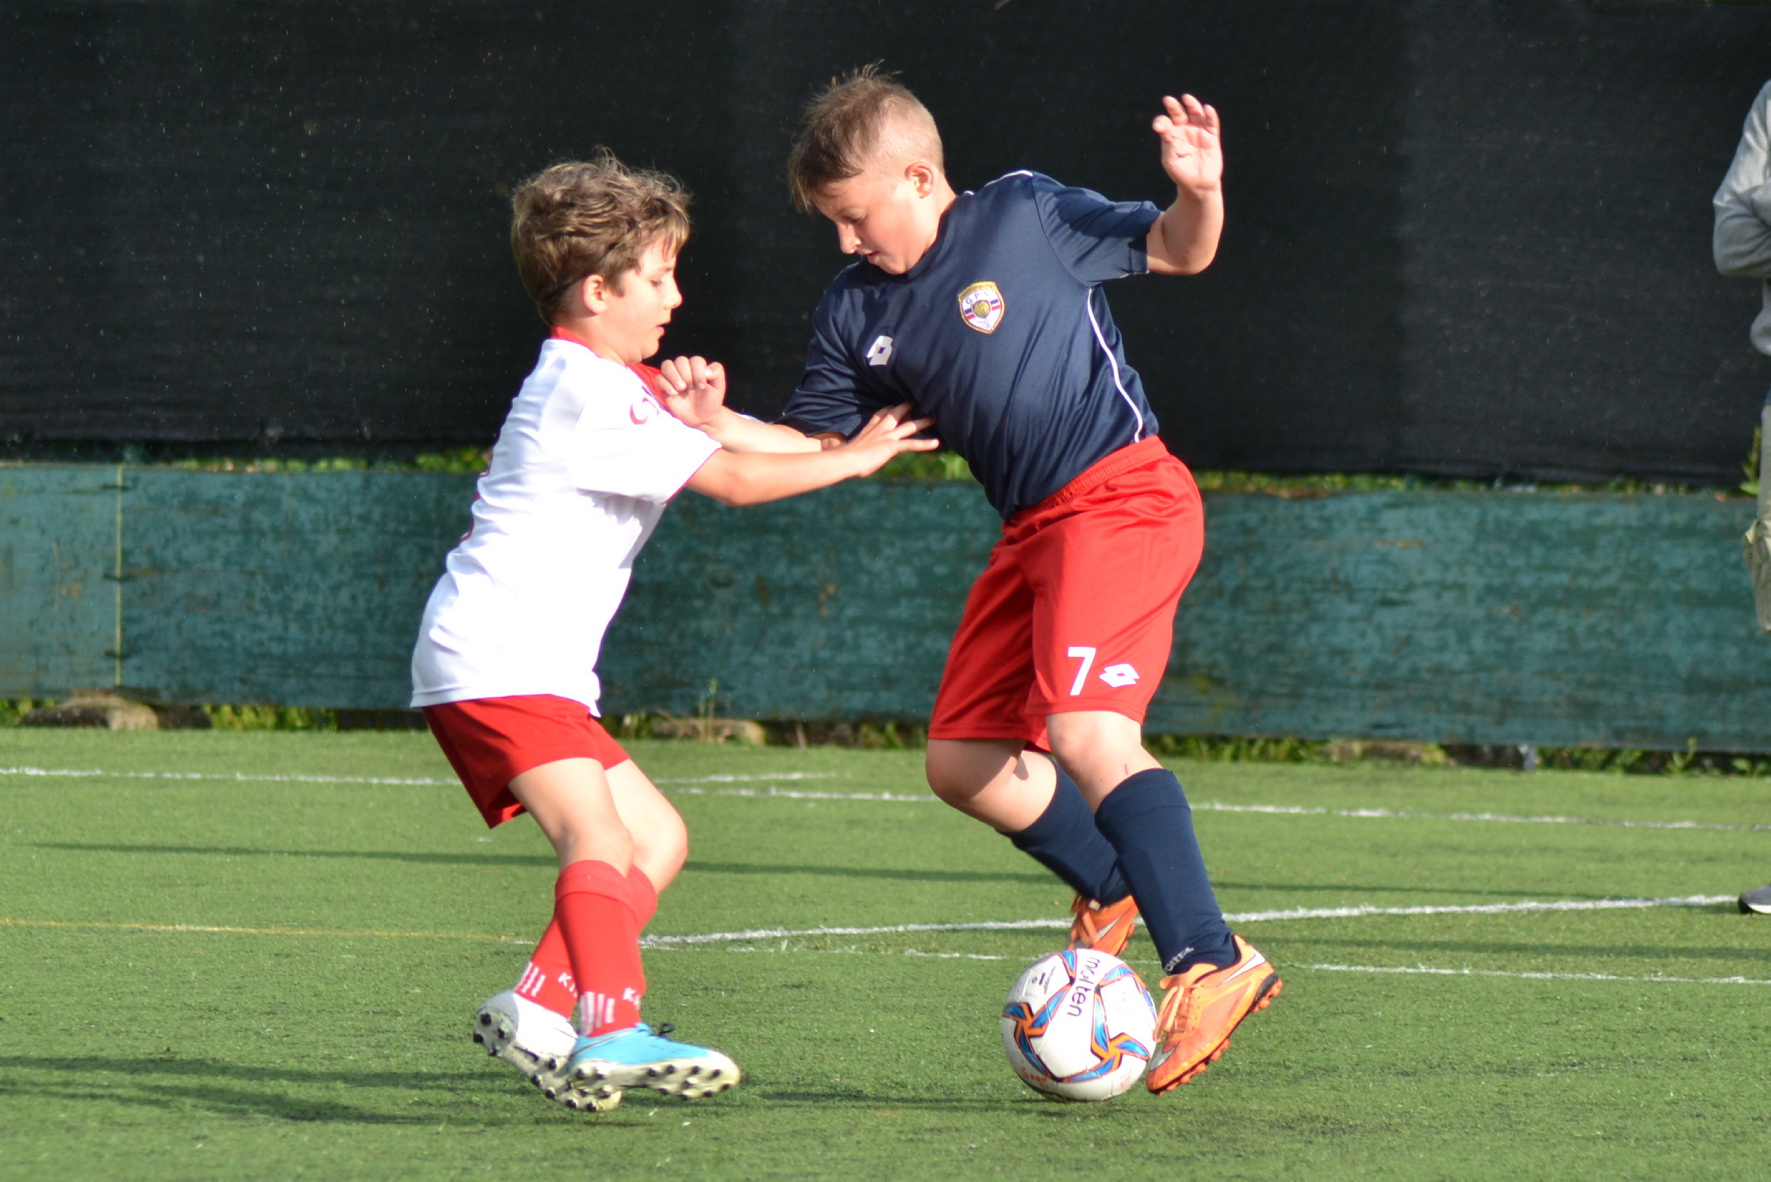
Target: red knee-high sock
643 895
547 979
595 914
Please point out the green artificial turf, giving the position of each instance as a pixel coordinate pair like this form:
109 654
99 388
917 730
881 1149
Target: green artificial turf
323 1032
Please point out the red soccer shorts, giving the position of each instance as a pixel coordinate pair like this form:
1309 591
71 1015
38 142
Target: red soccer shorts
1075 609
492 741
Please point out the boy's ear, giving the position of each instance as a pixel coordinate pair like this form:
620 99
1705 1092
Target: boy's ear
922 177
594 293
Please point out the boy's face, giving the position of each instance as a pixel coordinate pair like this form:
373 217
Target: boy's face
888 218
627 326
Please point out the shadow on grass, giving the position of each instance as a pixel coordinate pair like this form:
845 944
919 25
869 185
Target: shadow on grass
877 1100
1498 948
176 1085
240 1089
225 851
466 859
1036 877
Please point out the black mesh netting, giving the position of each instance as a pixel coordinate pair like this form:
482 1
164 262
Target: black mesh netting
1466 236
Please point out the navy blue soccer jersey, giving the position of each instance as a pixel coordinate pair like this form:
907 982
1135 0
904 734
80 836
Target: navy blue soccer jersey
1000 333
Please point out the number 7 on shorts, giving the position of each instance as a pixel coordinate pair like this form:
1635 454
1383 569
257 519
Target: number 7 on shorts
1088 659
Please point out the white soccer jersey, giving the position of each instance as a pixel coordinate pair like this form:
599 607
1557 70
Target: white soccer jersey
583 467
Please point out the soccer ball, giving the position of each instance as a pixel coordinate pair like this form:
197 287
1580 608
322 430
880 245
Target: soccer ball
1079 1025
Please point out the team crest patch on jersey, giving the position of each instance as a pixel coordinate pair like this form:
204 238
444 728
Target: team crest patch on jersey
981 306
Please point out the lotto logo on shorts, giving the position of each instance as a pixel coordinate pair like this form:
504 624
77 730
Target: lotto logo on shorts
1118 676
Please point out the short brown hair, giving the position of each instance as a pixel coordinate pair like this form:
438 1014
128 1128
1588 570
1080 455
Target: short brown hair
595 217
846 124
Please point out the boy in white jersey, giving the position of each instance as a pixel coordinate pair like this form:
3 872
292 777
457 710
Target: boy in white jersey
504 668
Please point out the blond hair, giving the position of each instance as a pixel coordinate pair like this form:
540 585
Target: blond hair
595 217
861 119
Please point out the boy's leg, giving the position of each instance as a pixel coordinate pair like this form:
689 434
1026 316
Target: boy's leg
570 799
1143 813
979 759
1214 978
1109 577
1027 798
660 846
660 839
547 979
595 906
590 945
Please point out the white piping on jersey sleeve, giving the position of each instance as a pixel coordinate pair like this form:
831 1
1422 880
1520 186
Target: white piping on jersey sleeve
1088 303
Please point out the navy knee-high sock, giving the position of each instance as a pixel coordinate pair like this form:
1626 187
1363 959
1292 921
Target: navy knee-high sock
1066 840
1147 819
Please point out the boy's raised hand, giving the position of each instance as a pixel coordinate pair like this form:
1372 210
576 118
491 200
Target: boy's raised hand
1192 152
886 434
694 389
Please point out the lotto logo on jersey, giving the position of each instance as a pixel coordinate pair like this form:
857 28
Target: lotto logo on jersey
981 306
880 351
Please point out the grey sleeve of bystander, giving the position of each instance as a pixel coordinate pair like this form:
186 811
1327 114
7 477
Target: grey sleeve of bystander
1742 241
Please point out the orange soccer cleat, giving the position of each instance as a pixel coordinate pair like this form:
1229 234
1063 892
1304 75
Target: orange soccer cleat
1102 927
1202 1006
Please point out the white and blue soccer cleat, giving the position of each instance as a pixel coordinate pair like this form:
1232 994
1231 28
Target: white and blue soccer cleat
536 1041
638 1057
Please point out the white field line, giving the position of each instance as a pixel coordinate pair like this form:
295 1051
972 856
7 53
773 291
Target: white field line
231 777
797 794
1425 970
1022 925
756 935
1362 910
1213 806
686 786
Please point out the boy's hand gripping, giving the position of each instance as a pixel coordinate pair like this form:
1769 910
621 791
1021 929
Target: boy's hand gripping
1192 151
694 390
886 434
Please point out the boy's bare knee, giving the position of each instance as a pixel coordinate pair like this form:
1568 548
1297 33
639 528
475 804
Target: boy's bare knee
664 851
577 842
937 767
958 771
1099 749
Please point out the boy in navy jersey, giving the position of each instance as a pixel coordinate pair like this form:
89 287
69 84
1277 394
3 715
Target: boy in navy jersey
985 310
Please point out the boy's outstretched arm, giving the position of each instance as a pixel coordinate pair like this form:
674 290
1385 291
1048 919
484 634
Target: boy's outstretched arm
750 478
695 394
1184 239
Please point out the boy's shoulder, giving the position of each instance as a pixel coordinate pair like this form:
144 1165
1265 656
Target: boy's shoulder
1012 193
1009 195
1021 183
566 363
570 381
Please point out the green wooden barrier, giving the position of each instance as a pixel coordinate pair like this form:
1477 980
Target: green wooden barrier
1480 617
59 604
299 589
1484 617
